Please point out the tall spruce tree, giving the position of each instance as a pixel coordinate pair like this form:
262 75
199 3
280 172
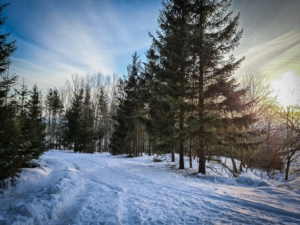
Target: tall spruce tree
127 118
190 72
214 35
168 105
102 129
72 130
87 123
10 162
35 124
132 92
7 48
118 144
54 109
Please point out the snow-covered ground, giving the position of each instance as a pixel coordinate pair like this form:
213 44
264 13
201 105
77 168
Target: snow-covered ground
71 188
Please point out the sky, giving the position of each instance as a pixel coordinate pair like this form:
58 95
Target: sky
58 38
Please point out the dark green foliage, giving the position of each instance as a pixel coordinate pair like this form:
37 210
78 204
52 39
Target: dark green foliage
214 36
6 49
54 110
73 126
10 161
79 123
192 94
10 134
169 85
22 130
87 124
102 123
125 138
35 124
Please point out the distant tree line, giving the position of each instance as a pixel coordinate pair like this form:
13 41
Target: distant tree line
184 99
79 115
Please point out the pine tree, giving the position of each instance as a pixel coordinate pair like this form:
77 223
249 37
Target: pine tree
103 123
21 98
190 73
72 131
118 144
10 135
54 109
168 105
214 36
48 104
128 128
10 162
87 124
35 124
132 101
6 48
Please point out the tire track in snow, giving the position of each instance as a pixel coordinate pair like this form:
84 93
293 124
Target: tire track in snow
130 192
84 189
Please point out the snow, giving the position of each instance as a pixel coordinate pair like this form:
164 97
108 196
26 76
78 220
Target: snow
81 189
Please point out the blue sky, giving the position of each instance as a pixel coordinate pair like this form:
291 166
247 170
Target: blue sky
57 38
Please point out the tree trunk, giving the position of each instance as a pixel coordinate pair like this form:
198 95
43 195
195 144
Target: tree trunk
234 167
149 147
190 153
288 163
242 160
201 151
181 149
173 156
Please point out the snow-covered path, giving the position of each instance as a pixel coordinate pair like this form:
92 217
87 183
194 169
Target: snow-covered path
102 189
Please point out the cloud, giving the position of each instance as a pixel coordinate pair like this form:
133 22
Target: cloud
90 37
275 56
58 38
270 40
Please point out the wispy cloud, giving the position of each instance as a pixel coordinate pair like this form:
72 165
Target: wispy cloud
91 37
58 38
275 56
271 35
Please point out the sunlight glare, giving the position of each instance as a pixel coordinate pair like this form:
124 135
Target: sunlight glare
287 88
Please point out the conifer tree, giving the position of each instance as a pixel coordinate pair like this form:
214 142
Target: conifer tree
103 123
118 143
87 123
21 100
125 138
54 109
132 102
35 124
10 162
10 159
7 48
72 131
214 36
190 72
168 105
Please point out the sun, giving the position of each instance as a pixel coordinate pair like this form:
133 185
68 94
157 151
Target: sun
287 88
